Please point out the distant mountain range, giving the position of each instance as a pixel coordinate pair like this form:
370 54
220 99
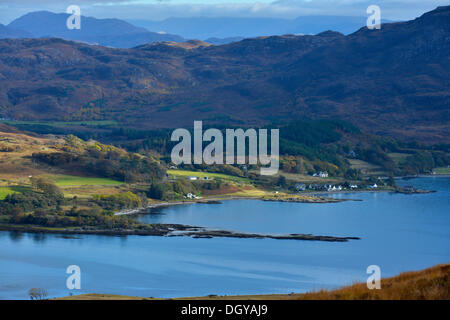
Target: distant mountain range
203 28
393 81
218 31
8 32
107 32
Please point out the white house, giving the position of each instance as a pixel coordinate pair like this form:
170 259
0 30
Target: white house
193 178
323 174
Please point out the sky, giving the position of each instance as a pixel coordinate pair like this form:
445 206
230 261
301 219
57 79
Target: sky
162 9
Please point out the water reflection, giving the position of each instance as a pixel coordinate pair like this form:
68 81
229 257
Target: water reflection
39 237
16 236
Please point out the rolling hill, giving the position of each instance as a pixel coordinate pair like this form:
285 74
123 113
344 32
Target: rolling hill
108 32
394 81
8 32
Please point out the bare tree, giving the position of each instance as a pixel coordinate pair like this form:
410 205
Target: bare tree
37 294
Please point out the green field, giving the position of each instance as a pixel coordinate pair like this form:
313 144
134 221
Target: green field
442 170
201 175
63 180
4 191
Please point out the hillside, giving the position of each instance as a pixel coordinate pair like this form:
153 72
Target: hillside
71 162
108 32
394 81
7 32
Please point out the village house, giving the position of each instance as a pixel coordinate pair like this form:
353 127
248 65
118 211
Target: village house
300 187
323 174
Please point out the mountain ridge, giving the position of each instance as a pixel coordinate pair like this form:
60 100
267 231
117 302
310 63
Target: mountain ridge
8 32
108 32
394 81
226 27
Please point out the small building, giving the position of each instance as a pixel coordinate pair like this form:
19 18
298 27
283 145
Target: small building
300 187
193 178
373 186
323 174
353 186
329 187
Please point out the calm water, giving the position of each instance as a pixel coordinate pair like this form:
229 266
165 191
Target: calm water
399 233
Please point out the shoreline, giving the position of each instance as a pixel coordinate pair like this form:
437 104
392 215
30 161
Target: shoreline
313 194
172 230
218 200
177 203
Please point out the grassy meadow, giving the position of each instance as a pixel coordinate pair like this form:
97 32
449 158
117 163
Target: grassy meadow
4 191
64 180
202 175
442 170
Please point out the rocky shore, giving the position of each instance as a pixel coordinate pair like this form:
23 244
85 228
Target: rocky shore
170 230
412 191
204 233
304 200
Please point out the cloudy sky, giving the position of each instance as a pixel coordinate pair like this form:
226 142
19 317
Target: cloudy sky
161 9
